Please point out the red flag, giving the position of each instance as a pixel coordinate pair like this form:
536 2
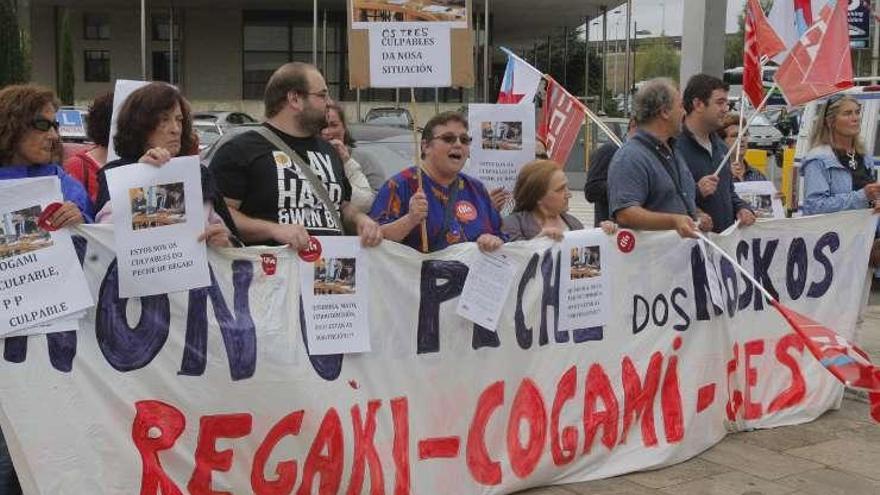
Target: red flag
820 63
561 118
761 41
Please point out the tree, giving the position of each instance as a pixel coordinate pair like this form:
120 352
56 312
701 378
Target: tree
659 59
12 62
66 81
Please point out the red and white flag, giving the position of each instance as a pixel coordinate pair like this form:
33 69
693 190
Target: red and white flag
561 120
761 42
820 63
521 80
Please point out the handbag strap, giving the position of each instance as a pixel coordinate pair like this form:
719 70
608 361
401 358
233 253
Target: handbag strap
667 166
317 184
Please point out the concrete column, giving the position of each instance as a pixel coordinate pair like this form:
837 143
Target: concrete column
702 40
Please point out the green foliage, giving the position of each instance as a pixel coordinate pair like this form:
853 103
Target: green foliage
66 80
13 69
659 59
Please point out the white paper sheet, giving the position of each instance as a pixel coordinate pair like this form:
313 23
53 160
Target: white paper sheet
121 92
584 281
368 13
63 324
335 297
486 288
41 278
158 215
761 196
410 55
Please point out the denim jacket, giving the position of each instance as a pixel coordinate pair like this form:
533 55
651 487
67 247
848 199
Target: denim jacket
828 184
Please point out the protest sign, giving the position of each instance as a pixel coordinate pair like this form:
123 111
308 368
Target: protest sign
406 43
158 216
41 279
334 293
584 280
121 92
503 141
486 289
762 197
213 390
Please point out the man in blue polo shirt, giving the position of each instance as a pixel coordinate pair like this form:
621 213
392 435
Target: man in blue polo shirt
649 188
705 102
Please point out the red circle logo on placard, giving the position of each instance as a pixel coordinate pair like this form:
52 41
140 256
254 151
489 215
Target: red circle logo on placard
465 211
626 241
269 262
311 252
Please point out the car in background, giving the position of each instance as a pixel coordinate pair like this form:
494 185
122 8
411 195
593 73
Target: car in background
72 124
224 118
208 133
390 116
763 133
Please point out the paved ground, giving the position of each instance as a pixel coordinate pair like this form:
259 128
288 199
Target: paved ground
838 454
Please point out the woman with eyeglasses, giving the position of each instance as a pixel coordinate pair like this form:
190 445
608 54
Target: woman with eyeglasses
456 207
837 175
336 133
154 125
28 147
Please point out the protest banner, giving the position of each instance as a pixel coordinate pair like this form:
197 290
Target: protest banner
40 277
158 216
405 43
503 141
212 390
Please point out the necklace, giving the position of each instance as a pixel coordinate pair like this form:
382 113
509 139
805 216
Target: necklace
852 159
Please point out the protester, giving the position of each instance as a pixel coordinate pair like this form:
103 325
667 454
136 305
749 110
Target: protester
336 133
541 199
272 200
456 207
705 105
648 186
596 187
84 166
739 167
837 174
28 138
155 124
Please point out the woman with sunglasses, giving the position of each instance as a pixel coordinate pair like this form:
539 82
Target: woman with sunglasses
456 207
154 125
837 176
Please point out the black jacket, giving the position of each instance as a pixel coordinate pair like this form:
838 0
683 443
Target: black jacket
596 187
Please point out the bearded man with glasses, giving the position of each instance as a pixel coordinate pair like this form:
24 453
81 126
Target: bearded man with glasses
455 206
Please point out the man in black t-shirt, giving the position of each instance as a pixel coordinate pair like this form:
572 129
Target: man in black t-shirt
271 200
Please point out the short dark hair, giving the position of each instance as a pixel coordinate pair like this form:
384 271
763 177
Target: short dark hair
141 114
701 87
653 98
19 105
98 120
442 118
292 76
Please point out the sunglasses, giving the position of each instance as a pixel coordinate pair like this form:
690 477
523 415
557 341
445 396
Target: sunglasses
451 138
833 100
43 125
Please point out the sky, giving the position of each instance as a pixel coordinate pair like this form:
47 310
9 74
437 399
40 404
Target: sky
654 14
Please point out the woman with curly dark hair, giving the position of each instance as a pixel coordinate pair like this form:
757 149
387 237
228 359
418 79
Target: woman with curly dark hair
84 166
154 125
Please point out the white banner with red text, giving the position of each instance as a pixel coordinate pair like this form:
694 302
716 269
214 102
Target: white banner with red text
213 391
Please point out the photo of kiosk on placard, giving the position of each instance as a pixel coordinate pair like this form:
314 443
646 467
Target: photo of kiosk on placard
505 136
20 234
157 206
453 12
335 276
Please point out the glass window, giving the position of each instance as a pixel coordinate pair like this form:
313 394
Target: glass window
161 28
266 37
162 66
97 65
96 26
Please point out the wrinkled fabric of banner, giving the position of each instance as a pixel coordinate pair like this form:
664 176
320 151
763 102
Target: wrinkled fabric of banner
212 390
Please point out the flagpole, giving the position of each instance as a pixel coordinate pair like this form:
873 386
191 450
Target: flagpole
742 130
418 160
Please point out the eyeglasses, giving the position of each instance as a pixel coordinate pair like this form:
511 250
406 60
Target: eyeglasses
833 100
43 125
324 95
451 138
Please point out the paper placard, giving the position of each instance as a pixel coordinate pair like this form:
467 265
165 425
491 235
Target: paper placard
486 288
368 13
408 54
584 281
121 92
503 141
158 216
334 295
762 197
41 278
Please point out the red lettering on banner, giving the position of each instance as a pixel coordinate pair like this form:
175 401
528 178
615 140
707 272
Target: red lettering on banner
638 399
208 459
735 397
329 465
670 403
796 392
563 447
365 448
286 470
599 387
156 427
483 469
752 348
400 449
528 405
439 448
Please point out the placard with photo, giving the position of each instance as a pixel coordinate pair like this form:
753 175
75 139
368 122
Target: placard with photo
41 278
448 13
158 216
762 197
584 280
